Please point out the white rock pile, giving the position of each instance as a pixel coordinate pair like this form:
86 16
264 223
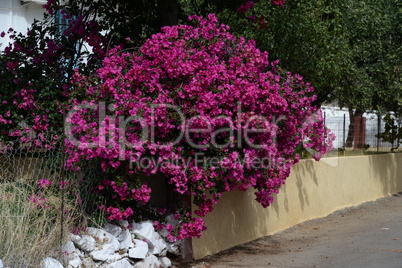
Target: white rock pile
124 246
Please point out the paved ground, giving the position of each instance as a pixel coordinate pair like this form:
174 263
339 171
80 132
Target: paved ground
369 235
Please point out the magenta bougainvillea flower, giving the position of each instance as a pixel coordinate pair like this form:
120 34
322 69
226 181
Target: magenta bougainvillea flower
202 107
279 3
244 8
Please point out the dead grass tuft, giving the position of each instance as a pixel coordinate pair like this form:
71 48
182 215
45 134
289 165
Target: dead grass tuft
30 231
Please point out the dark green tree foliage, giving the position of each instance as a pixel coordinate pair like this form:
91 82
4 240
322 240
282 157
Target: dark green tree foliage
374 33
373 80
137 19
349 50
393 130
306 36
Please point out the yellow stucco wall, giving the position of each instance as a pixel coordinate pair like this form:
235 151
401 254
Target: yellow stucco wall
313 190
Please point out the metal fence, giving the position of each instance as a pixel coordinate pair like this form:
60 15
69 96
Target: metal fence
31 223
366 130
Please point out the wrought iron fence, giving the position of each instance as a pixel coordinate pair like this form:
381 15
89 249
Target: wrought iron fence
366 130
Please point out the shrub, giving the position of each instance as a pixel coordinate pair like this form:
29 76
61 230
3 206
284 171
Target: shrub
202 107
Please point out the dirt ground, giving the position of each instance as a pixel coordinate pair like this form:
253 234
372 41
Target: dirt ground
369 235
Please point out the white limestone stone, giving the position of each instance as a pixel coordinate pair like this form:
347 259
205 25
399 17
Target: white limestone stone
51 263
139 251
104 253
151 261
86 242
159 245
1 264
140 264
165 262
124 224
103 237
101 249
88 262
80 253
68 247
107 244
145 230
115 257
75 262
112 229
124 263
174 248
125 239
163 232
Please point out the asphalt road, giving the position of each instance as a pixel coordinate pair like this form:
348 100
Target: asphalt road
369 235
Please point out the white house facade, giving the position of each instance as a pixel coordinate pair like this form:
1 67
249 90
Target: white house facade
19 15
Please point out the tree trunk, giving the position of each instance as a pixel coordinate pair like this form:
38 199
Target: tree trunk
351 131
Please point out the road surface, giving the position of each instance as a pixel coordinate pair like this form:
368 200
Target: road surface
369 235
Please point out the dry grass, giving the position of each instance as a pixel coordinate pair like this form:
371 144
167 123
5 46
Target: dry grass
29 231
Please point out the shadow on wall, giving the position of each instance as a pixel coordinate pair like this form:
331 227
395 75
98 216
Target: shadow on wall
226 221
313 189
238 218
302 172
387 168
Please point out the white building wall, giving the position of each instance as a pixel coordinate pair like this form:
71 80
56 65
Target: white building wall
18 15
337 120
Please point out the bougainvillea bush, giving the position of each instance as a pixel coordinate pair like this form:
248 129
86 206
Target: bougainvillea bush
36 69
202 107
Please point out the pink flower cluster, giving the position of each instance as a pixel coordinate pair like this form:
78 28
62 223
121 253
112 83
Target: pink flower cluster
244 8
223 84
30 60
187 228
122 195
117 214
250 4
122 192
44 183
259 22
278 3
48 6
40 200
